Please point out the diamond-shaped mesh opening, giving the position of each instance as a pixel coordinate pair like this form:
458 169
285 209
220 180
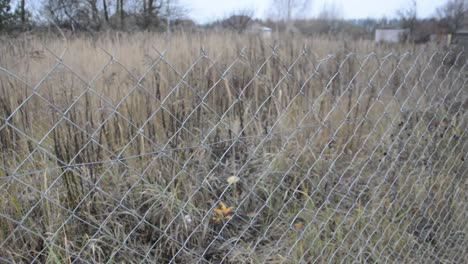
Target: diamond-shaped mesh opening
61 87
22 240
37 117
42 226
111 76
113 239
138 106
89 112
39 61
18 200
110 185
182 119
65 140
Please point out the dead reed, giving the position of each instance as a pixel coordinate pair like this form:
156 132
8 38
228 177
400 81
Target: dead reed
219 147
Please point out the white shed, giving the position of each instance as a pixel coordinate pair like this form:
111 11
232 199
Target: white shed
261 31
391 35
265 32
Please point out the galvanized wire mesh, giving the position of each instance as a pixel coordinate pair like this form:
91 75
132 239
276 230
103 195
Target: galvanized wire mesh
304 159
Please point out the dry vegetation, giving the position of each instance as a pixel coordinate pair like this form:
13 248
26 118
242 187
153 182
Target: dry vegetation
121 151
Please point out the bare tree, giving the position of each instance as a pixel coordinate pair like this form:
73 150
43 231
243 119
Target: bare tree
106 12
94 12
453 14
150 16
172 10
287 10
330 12
78 14
328 18
120 8
23 12
409 18
238 20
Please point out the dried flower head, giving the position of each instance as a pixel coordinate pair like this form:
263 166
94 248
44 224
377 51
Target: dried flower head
233 179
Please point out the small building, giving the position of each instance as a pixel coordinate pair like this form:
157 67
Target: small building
291 29
265 32
261 31
391 35
441 39
460 38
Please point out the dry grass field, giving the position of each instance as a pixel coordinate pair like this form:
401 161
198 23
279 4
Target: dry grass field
225 148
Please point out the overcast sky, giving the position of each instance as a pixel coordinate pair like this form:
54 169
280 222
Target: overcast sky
209 10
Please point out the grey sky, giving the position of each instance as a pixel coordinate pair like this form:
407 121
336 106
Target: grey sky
209 10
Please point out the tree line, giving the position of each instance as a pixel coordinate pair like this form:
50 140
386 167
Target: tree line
90 15
162 15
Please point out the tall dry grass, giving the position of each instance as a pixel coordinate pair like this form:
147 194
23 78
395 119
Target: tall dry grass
118 148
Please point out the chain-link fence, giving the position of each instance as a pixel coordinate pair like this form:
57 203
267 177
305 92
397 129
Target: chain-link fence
271 158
